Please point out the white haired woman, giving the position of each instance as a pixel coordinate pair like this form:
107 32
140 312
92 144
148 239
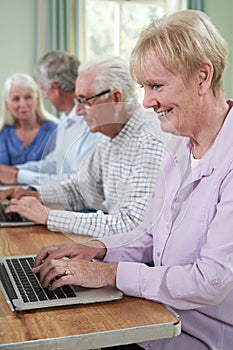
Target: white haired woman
27 129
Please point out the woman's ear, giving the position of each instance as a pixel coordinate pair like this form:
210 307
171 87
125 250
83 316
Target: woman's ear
205 75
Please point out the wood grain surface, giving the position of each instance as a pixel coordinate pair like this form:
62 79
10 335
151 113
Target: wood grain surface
83 326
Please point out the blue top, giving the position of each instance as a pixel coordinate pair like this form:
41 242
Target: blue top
74 142
12 151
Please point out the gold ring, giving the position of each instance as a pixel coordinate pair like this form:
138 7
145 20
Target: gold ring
65 272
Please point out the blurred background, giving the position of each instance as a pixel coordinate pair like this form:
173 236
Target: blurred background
87 28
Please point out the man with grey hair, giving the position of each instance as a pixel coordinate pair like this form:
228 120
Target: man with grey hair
121 171
56 73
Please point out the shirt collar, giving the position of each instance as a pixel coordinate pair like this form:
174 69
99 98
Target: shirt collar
72 118
215 157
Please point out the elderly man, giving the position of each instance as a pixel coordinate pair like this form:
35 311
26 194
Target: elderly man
56 74
121 171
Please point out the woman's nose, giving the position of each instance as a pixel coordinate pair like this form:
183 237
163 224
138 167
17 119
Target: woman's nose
149 100
22 102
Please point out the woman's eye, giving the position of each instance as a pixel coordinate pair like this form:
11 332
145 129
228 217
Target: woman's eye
156 86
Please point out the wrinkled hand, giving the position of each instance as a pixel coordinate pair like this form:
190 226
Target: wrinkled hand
88 251
30 208
76 271
8 174
17 192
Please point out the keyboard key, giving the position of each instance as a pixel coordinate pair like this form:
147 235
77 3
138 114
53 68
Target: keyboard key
29 285
12 217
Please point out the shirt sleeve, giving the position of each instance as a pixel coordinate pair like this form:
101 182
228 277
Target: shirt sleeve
86 191
205 281
38 172
36 178
48 171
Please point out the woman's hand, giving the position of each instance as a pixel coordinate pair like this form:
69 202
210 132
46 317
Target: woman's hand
88 251
76 271
30 208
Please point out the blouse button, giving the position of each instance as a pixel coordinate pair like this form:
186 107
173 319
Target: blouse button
214 282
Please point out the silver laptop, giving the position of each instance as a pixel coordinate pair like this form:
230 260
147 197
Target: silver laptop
23 291
12 219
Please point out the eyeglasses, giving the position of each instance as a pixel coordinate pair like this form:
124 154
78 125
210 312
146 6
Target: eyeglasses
83 101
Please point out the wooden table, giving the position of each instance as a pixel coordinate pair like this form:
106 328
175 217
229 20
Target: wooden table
128 320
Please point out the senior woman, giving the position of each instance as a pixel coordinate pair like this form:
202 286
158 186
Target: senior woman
27 129
179 61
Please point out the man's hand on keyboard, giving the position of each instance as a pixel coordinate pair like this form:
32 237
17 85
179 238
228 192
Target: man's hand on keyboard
30 208
16 193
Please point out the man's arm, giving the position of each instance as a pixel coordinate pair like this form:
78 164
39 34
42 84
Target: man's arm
8 174
132 195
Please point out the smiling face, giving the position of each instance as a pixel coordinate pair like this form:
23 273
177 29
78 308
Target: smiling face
22 102
176 103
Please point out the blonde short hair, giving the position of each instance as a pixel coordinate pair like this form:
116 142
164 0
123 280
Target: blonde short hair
182 41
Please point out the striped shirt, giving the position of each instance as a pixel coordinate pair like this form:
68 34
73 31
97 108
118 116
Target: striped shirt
121 172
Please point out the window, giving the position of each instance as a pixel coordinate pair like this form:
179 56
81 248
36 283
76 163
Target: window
111 27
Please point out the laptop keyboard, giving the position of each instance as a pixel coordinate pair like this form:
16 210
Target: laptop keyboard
12 217
29 285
